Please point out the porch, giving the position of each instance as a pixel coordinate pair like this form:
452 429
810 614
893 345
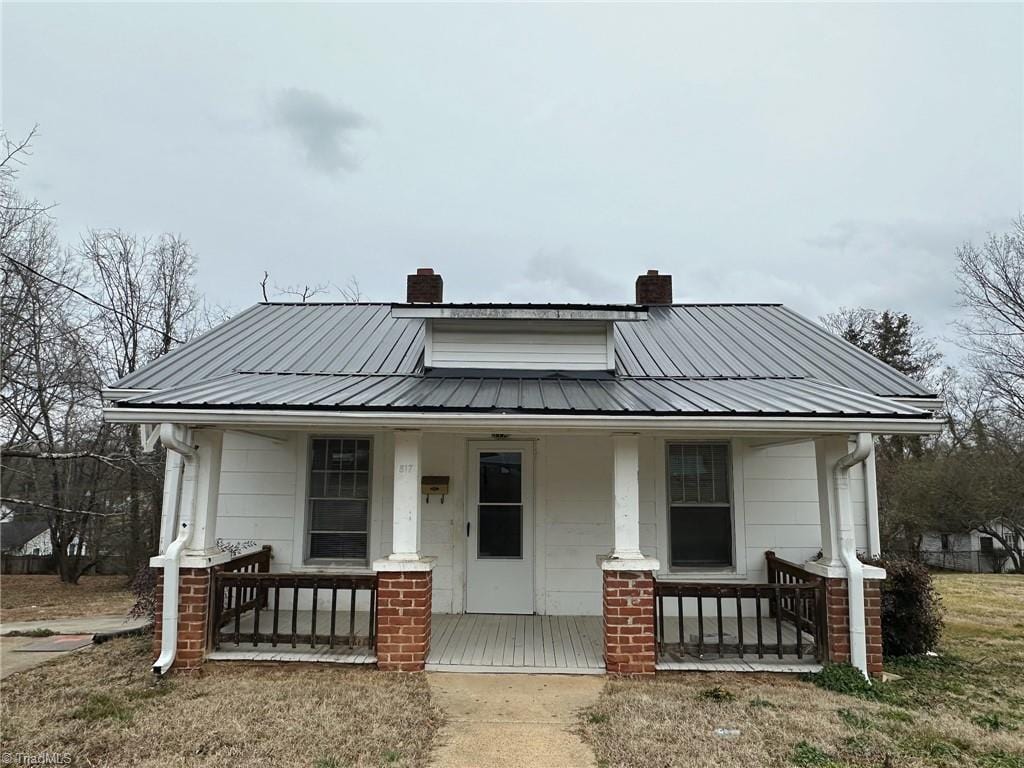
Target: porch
332 618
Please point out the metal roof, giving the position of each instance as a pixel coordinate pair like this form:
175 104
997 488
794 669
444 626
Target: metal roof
533 394
702 341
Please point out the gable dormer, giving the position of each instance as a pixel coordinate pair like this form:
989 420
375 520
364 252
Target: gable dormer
544 337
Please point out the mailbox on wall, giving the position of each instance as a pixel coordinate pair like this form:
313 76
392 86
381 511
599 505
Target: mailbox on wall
435 485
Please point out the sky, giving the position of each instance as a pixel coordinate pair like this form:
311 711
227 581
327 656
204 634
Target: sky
817 155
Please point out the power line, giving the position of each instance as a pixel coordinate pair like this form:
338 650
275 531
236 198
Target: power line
90 299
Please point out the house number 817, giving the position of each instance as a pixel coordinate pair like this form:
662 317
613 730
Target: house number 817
405 468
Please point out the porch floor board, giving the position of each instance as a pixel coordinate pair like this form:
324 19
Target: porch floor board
476 642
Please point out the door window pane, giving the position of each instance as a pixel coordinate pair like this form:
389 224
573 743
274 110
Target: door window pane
500 532
501 478
339 499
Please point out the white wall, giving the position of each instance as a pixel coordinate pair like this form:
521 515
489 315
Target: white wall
257 493
263 485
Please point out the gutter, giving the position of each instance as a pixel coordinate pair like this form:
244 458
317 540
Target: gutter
848 551
914 424
172 556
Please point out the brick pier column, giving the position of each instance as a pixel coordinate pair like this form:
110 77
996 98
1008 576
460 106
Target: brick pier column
628 601
403 619
837 607
194 589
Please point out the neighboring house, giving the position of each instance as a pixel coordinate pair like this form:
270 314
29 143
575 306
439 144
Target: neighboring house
973 551
24 541
521 487
25 535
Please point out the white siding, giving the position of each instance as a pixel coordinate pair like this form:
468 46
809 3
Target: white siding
578 502
534 345
257 493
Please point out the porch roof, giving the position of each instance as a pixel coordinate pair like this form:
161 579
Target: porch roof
522 392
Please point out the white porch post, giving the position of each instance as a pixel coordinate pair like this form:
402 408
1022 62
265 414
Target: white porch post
406 522
827 451
205 479
627 497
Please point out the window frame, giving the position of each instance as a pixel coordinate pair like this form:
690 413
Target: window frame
732 566
307 506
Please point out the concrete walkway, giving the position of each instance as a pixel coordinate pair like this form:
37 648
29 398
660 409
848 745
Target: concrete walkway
513 719
79 625
13 659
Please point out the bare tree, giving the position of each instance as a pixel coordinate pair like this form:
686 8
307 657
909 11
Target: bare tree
74 320
172 288
991 292
148 289
351 291
304 292
16 211
49 405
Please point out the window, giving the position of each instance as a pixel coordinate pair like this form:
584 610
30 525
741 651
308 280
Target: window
500 530
946 542
986 544
700 505
338 506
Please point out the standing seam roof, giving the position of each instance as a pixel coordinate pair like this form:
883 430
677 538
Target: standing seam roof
675 342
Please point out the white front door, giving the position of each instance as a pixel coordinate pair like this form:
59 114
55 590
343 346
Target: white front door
499 528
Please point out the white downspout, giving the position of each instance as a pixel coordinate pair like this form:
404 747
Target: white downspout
848 551
871 504
172 556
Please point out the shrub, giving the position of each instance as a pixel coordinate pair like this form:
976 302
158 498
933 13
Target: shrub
717 694
143 587
844 678
911 609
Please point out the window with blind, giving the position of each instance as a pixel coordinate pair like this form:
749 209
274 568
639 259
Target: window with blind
338 499
700 505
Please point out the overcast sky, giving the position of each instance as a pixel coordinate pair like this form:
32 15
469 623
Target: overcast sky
819 155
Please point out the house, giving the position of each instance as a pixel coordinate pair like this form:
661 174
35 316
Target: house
517 487
24 541
24 534
975 551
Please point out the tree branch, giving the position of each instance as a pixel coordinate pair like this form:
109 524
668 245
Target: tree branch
62 510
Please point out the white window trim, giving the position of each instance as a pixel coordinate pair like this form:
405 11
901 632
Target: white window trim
303 447
735 572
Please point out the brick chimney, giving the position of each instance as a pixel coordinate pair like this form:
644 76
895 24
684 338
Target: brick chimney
424 287
653 288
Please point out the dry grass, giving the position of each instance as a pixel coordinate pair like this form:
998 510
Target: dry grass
965 709
30 598
984 615
104 709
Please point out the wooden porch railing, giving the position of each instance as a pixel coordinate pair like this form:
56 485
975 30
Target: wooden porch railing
245 599
236 594
805 614
791 595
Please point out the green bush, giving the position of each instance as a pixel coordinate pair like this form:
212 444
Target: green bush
843 678
911 609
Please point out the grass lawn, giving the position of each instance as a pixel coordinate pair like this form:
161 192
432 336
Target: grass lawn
104 709
963 709
27 598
